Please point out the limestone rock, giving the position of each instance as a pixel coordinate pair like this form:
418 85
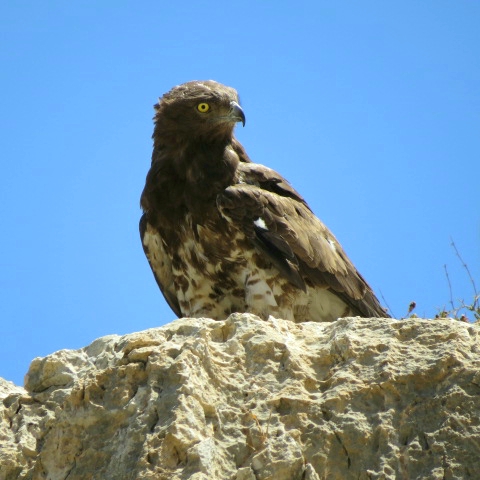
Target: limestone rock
246 399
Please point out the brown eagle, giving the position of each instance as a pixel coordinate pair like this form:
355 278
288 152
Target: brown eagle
224 235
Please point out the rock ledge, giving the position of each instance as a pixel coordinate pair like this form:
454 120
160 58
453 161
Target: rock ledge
245 399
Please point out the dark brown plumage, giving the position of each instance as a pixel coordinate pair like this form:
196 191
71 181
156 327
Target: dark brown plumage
225 235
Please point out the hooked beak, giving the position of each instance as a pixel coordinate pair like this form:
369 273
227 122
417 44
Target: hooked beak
236 113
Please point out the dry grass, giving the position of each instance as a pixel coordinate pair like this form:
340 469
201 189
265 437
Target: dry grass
459 309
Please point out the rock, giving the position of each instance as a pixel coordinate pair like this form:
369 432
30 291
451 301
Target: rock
246 399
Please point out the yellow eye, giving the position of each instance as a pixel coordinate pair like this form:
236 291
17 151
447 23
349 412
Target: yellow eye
203 107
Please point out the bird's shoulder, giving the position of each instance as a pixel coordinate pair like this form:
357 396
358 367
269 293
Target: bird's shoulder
268 180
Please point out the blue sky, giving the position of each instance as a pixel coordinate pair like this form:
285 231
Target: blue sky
371 110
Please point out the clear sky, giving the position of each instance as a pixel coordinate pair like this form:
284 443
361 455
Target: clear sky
370 109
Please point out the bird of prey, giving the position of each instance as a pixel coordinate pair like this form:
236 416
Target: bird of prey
224 235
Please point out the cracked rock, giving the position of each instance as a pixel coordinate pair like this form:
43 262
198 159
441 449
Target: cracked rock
247 399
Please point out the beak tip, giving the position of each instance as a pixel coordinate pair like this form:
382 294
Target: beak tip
239 114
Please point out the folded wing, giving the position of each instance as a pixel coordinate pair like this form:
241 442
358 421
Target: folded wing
281 225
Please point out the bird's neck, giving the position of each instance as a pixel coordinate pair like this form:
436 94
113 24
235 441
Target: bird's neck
195 158
187 176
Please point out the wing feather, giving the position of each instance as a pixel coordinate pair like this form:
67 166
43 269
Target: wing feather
160 263
280 223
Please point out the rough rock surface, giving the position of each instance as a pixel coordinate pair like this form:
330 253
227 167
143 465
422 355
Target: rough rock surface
246 399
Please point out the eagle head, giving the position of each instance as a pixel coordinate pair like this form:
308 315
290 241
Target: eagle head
198 109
